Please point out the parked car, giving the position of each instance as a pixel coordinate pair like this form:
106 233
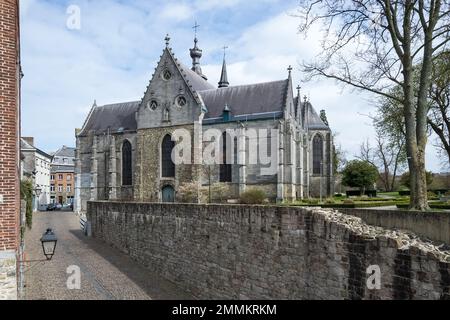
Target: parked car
51 207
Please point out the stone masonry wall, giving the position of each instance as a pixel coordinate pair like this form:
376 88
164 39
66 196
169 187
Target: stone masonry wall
8 280
240 252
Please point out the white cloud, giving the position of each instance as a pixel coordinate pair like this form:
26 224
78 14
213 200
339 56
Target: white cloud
112 57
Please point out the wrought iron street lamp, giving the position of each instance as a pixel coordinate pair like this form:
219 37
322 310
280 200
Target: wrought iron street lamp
49 241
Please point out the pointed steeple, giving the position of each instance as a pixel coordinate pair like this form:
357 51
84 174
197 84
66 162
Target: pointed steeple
223 83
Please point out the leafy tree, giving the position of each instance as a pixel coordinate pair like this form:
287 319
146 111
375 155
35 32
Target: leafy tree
372 45
359 174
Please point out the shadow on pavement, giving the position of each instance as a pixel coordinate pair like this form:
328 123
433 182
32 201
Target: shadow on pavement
154 285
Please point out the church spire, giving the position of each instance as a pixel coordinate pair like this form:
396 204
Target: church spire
196 54
223 83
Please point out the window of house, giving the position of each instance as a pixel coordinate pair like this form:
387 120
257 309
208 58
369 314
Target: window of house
52 188
168 167
69 188
60 188
127 171
69 177
60 177
317 154
225 167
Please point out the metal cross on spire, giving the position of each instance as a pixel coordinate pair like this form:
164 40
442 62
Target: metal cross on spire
224 51
195 27
290 69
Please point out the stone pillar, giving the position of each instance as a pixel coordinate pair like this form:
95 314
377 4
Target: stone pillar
242 159
280 187
299 169
307 164
94 170
292 163
77 203
112 169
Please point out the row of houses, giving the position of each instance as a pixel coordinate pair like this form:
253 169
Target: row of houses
52 174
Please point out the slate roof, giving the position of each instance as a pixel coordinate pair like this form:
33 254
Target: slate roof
314 121
256 99
25 145
62 169
65 152
196 81
119 116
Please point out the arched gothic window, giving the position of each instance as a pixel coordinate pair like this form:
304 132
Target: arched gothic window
168 167
127 170
317 155
225 167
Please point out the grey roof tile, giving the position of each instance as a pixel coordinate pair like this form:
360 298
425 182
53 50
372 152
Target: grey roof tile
114 116
263 98
65 152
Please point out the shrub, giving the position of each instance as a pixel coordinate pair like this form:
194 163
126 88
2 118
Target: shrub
348 202
253 196
359 174
26 193
313 201
188 192
219 191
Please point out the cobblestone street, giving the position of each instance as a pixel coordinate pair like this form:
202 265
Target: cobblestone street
106 273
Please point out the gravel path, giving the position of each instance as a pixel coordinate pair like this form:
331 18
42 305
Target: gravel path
106 273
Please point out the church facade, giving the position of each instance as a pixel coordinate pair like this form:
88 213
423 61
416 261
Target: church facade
234 138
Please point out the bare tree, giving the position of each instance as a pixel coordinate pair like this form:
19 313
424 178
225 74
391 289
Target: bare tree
439 117
373 45
388 156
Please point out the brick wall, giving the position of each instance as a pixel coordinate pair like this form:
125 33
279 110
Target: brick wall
9 125
9 146
240 252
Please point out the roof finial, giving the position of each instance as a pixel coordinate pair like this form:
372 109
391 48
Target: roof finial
305 98
298 91
290 70
196 54
167 39
95 103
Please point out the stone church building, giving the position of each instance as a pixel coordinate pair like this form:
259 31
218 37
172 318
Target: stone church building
124 150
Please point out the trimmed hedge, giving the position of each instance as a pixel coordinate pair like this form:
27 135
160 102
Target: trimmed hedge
353 205
432 206
357 193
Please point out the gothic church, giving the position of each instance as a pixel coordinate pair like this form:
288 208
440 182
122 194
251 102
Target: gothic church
124 150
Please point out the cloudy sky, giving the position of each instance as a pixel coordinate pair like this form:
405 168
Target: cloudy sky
112 56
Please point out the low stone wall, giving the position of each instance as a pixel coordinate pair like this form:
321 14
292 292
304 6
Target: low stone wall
8 280
430 225
244 252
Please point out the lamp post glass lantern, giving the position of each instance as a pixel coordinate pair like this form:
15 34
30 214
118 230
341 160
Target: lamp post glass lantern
49 241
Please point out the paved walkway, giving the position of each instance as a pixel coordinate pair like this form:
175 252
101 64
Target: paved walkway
106 273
